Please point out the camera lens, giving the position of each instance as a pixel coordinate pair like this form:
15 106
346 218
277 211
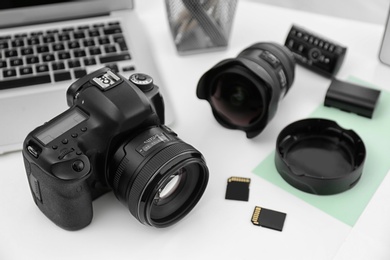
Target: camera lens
236 99
158 177
244 92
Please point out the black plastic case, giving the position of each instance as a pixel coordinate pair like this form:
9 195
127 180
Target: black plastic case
318 156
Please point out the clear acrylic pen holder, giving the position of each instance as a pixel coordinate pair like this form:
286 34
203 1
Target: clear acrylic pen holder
200 25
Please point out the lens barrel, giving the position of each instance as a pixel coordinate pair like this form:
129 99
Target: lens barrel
244 92
158 177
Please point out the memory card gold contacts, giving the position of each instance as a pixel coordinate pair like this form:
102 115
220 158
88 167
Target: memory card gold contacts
268 218
237 188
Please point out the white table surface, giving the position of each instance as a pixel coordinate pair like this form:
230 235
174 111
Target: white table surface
217 228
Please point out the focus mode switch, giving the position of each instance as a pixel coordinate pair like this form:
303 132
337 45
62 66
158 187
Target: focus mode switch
270 58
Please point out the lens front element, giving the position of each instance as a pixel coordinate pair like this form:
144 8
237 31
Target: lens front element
177 197
237 99
169 187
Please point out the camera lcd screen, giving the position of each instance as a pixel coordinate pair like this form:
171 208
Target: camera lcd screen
60 125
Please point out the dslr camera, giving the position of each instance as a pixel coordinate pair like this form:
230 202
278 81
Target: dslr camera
113 138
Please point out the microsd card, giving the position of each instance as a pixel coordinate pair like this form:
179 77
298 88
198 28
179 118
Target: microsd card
268 218
237 188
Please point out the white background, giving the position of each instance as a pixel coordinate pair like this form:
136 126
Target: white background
217 228
374 11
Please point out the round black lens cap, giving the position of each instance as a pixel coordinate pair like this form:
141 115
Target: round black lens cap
320 157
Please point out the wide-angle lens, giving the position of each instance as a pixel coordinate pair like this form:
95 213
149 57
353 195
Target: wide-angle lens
244 92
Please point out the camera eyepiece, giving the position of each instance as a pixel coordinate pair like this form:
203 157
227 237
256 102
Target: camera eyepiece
244 92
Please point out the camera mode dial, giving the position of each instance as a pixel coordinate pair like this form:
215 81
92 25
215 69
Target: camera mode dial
142 81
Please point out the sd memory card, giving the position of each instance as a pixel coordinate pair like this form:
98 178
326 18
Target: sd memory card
268 218
237 188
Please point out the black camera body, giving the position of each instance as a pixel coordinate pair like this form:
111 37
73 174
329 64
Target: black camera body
75 157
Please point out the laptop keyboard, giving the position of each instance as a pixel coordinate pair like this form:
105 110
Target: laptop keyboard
60 54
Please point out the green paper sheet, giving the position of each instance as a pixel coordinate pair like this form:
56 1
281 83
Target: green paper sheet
349 205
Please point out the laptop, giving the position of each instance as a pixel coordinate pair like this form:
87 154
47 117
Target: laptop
384 53
46 45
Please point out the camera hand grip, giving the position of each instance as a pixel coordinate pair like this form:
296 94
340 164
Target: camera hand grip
68 205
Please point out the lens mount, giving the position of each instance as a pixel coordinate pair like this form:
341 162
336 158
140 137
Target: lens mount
158 177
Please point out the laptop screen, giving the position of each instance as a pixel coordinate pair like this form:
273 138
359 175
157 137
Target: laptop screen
25 12
7 4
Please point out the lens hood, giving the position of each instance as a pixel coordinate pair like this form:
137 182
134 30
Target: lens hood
320 157
244 68
244 92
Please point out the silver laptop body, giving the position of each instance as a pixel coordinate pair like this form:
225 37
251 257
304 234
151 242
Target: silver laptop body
24 108
384 54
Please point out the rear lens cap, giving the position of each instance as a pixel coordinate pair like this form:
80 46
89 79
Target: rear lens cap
318 156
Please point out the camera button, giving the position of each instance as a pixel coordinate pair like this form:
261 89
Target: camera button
65 141
54 147
75 135
315 54
78 165
65 152
83 129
